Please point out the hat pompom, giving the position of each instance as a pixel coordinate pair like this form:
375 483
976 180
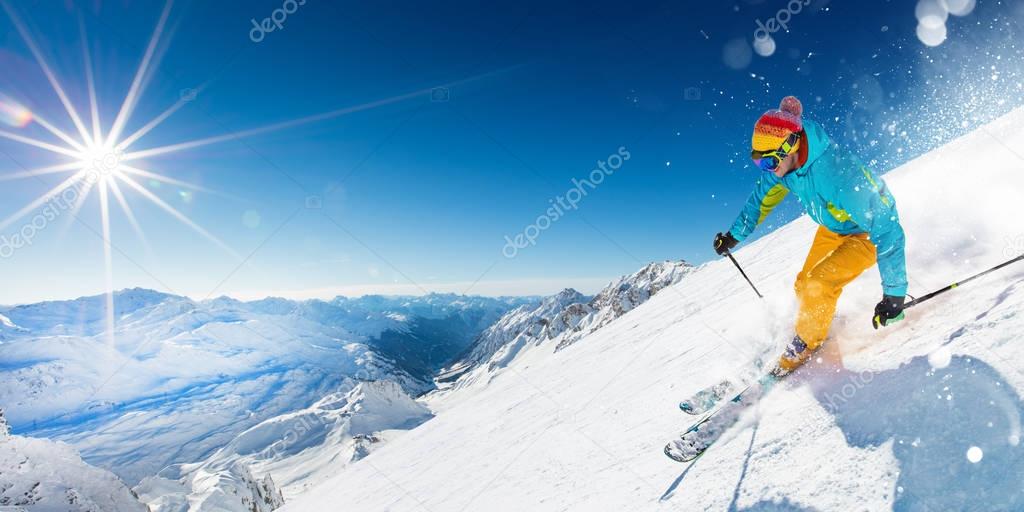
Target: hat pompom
792 105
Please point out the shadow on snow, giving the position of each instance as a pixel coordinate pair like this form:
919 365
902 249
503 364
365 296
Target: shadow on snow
933 417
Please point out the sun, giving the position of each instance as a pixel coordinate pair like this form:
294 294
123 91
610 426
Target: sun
97 159
102 162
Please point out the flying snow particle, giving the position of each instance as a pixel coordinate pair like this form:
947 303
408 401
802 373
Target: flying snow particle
974 454
764 46
1014 439
931 36
940 358
931 13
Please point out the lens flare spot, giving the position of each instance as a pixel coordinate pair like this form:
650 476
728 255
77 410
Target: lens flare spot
251 219
931 13
13 113
931 36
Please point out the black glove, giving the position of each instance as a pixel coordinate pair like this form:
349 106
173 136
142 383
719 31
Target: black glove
724 242
888 311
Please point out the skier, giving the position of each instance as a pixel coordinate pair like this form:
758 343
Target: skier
856 213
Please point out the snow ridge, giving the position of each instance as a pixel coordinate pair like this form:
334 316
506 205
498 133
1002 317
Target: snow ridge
46 476
620 298
299 449
562 319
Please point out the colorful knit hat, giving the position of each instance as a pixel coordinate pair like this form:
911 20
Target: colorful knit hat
774 126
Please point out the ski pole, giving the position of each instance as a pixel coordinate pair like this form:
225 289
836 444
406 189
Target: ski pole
738 267
957 284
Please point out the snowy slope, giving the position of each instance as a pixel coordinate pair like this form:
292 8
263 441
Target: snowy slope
37 475
882 420
557 322
297 450
183 378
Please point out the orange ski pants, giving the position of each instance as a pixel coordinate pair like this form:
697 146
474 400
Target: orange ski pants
833 262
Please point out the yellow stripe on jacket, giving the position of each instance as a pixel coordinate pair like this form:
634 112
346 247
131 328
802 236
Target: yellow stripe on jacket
772 199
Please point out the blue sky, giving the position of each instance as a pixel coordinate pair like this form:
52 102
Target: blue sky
418 195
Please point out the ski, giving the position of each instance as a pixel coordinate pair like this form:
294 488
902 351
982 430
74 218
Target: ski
707 398
693 442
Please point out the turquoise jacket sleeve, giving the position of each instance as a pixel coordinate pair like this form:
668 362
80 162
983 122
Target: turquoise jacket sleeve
768 193
873 208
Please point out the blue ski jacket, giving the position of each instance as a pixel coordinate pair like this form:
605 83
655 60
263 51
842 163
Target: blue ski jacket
840 193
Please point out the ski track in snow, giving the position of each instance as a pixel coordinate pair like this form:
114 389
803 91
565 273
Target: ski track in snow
880 420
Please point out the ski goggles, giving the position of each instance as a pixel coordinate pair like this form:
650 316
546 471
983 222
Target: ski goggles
768 161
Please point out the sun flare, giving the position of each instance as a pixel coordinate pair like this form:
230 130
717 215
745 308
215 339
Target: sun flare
100 160
103 161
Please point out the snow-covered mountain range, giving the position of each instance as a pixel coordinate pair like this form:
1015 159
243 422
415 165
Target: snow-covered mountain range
183 378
